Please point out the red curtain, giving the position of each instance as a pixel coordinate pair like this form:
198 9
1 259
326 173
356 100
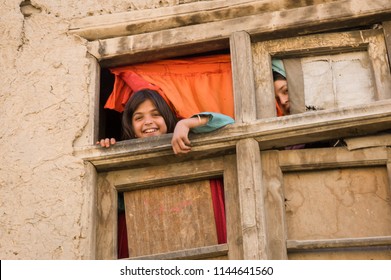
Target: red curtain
217 190
190 86
122 237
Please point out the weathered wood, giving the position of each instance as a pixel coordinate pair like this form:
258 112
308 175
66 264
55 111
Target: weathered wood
143 21
389 168
207 252
324 158
360 254
378 140
94 88
170 218
320 44
251 200
336 203
270 133
295 80
91 181
387 38
377 52
272 180
214 35
301 245
264 88
242 77
155 176
106 239
232 209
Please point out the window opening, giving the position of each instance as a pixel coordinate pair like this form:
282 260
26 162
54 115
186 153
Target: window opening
110 119
110 127
290 100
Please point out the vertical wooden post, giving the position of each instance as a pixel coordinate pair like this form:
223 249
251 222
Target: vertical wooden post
250 188
387 37
243 77
272 179
90 180
251 200
94 89
389 168
106 239
264 87
232 209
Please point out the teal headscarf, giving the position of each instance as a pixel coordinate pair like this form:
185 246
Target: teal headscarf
278 66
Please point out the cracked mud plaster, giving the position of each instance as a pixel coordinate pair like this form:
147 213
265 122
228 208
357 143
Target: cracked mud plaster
343 203
27 8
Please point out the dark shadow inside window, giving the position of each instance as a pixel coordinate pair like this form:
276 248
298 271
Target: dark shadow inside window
110 120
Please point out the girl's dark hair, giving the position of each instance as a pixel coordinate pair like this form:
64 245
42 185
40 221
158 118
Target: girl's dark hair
278 76
134 102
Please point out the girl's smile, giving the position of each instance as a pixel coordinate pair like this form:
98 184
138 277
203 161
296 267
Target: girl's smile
147 121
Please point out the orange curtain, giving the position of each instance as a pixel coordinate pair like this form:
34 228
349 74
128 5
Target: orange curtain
190 86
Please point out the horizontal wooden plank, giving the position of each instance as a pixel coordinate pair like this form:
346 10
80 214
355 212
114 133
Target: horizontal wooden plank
312 159
379 140
322 44
152 14
162 175
214 35
270 133
301 245
191 254
150 20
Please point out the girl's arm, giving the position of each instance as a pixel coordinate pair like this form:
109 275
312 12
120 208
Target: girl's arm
180 139
200 123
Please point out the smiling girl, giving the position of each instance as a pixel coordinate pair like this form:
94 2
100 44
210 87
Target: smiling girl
147 114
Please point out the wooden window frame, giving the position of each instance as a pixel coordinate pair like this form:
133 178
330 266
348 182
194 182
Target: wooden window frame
110 183
239 146
371 40
334 158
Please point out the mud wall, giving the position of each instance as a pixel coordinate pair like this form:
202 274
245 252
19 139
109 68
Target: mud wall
45 192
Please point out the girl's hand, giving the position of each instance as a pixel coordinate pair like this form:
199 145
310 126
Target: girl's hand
105 143
180 141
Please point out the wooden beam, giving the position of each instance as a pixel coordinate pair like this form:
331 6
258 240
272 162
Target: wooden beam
387 37
377 140
151 20
106 231
191 254
251 200
324 158
232 209
194 38
162 175
272 180
389 168
302 245
264 86
243 77
270 133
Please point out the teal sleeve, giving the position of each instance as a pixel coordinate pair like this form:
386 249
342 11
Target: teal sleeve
216 121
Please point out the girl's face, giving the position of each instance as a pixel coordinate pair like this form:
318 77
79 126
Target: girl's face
282 95
147 121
